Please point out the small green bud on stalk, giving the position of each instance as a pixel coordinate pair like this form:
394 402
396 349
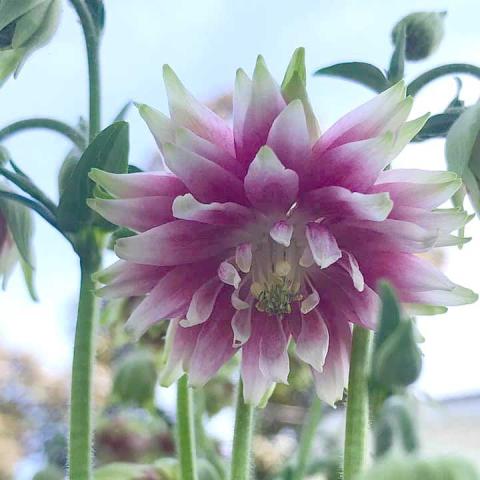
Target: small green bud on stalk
424 33
25 26
136 378
398 362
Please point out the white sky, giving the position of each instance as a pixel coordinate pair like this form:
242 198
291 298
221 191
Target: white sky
205 42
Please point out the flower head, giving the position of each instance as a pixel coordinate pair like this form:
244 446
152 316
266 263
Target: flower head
266 231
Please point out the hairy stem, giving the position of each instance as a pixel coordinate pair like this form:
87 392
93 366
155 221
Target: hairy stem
357 406
46 123
242 438
92 45
307 436
185 431
81 431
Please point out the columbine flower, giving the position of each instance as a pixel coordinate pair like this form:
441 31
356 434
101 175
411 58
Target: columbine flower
266 231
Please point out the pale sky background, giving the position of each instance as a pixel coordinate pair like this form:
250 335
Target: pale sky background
205 41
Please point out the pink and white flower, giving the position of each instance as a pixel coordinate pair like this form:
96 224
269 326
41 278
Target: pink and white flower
265 232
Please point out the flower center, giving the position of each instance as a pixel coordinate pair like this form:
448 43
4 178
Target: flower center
276 278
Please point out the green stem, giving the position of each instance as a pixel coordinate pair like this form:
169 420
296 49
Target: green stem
92 45
306 438
185 431
81 431
45 123
453 68
357 406
242 438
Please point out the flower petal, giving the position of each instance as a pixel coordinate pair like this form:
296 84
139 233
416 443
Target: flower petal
384 112
349 263
269 186
266 102
142 184
282 233
243 257
186 207
228 274
322 244
126 279
418 188
313 340
161 127
332 380
341 202
140 214
185 110
242 326
273 362
214 344
289 137
179 346
169 299
206 180
202 303
176 243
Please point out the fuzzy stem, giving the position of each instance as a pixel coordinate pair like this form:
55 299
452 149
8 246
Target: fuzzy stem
307 436
185 431
81 431
357 405
242 438
46 123
92 44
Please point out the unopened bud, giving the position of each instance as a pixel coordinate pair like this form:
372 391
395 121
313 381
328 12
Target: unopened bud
424 32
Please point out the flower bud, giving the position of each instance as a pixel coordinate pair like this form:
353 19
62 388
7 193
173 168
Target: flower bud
398 362
411 468
8 250
25 27
136 378
424 32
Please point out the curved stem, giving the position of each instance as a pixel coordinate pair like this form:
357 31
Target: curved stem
91 43
459 68
306 438
185 431
357 405
81 431
48 124
242 438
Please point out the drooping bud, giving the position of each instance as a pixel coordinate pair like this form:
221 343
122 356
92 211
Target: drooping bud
397 360
424 32
136 378
25 26
462 150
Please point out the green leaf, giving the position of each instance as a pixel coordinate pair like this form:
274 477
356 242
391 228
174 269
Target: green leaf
397 62
28 275
109 152
437 126
123 112
360 72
